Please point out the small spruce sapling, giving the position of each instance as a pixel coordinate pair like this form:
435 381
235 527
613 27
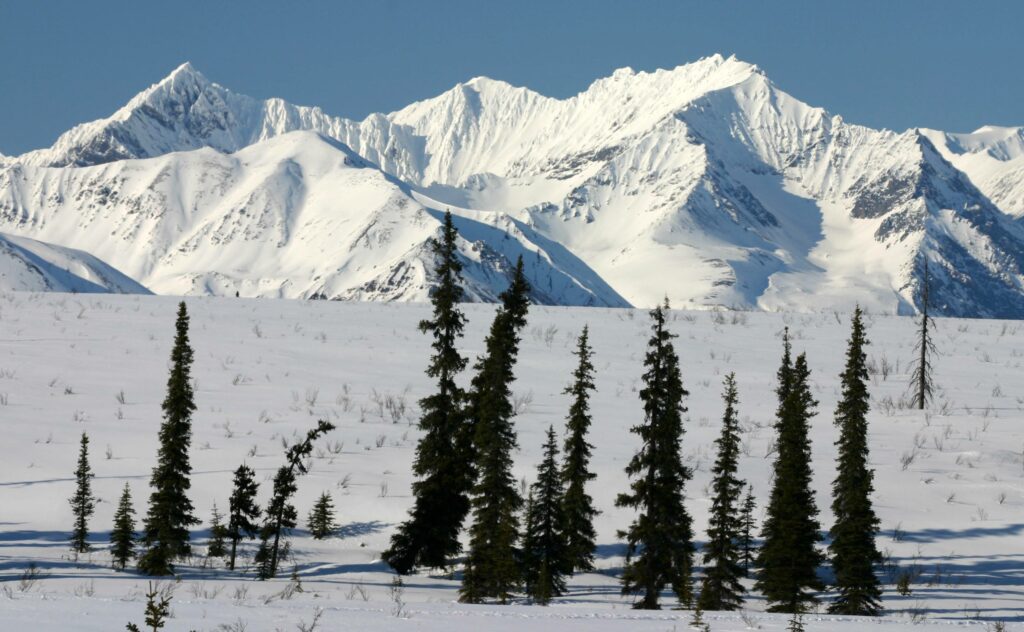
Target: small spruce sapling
122 537
321 519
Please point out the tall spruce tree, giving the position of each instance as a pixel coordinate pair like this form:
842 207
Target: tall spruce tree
83 503
921 368
166 527
281 515
321 518
659 542
853 551
747 525
122 537
492 571
789 559
443 464
243 512
721 588
546 559
579 506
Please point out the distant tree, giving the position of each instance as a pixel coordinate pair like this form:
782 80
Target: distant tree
166 527
321 518
922 367
788 559
659 542
122 537
281 515
218 534
83 503
853 551
579 506
721 588
545 545
492 571
747 526
243 512
443 464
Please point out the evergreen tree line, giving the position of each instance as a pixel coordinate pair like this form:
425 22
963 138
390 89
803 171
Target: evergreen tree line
464 465
464 469
165 536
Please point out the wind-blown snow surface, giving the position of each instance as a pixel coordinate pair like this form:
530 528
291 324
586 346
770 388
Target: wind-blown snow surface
706 183
30 265
949 480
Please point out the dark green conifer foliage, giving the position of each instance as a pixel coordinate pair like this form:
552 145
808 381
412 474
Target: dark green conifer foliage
166 527
659 542
122 537
443 464
789 558
721 588
83 503
545 552
243 512
321 519
492 571
218 534
579 506
158 609
281 515
853 551
747 526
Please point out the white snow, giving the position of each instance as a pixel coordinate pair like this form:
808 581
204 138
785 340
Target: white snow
30 265
948 480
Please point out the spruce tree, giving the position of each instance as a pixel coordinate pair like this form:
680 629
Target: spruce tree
579 506
122 537
443 464
924 348
721 588
788 558
83 503
491 570
853 551
545 545
321 519
747 525
659 542
281 515
166 527
218 533
243 512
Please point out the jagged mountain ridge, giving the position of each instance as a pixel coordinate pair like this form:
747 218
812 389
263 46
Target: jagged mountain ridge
705 183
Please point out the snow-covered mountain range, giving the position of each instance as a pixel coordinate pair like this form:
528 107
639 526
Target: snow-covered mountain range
706 184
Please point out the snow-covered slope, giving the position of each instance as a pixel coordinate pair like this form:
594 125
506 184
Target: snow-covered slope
993 157
28 265
298 215
705 183
949 483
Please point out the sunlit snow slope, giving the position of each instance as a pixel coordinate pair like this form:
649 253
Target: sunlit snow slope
705 183
35 266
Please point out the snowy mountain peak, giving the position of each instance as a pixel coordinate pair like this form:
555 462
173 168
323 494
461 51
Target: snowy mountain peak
705 182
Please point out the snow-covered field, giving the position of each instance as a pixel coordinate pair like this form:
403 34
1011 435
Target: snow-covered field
949 480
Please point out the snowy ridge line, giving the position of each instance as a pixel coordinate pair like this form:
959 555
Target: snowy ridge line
706 183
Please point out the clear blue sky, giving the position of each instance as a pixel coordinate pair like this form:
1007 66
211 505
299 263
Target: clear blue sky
894 63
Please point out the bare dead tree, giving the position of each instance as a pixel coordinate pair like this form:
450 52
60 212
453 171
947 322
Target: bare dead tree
921 368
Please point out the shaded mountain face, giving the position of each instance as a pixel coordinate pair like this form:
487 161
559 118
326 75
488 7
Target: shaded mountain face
706 184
